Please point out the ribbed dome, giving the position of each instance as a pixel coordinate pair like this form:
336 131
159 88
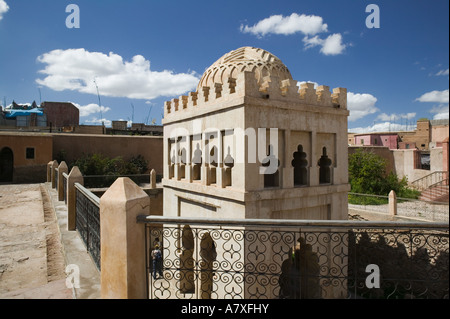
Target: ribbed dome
258 61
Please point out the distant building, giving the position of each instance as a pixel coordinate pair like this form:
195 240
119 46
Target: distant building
389 140
61 114
23 115
427 135
121 128
49 116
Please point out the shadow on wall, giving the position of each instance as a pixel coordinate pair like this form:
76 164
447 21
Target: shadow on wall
410 267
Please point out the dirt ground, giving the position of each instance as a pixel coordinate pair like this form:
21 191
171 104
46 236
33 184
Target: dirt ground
31 256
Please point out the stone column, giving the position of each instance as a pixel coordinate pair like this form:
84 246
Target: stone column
54 167
62 168
74 177
123 274
288 170
153 179
49 171
313 169
392 203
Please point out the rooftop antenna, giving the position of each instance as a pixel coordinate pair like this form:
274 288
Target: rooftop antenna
99 103
148 115
40 97
132 113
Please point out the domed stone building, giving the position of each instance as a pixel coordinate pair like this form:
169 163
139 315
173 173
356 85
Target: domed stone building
250 143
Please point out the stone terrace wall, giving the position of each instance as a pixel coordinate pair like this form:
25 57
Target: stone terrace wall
74 145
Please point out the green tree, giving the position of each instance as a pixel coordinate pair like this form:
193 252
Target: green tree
367 175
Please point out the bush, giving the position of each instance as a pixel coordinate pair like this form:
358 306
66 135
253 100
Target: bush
367 175
99 164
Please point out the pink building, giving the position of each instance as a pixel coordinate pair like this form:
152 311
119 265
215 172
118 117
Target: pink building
389 140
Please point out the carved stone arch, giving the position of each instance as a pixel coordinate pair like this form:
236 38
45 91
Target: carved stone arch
324 167
197 163
300 164
273 179
182 158
213 163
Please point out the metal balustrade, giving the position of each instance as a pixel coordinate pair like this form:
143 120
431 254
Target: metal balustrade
65 177
272 259
88 221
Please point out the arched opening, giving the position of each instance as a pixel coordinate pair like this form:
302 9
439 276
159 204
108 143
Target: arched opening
213 161
300 171
182 156
325 168
172 165
6 165
229 163
197 164
208 254
187 282
271 179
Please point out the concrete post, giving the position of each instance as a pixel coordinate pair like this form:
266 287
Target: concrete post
49 171
123 274
54 167
74 177
62 168
392 203
153 179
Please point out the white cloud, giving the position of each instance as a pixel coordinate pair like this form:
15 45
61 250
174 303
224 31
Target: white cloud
86 110
332 45
396 117
442 97
383 127
443 72
316 85
96 121
309 25
76 69
360 105
3 8
278 24
440 112
434 96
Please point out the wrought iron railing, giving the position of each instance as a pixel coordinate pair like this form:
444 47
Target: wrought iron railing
55 178
88 221
259 259
65 177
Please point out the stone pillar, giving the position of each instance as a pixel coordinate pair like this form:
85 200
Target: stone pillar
123 274
62 168
288 170
74 177
313 169
392 203
49 171
153 179
54 167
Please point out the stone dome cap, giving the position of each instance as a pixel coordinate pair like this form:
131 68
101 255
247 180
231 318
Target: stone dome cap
262 63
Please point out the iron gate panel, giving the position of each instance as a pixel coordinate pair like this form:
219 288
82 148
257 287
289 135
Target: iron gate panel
88 225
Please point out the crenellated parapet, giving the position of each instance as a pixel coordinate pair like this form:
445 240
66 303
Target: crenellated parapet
268 88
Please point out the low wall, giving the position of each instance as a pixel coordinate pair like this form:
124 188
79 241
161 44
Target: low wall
75 145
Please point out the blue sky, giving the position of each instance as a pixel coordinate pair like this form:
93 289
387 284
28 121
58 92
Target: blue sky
143 52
